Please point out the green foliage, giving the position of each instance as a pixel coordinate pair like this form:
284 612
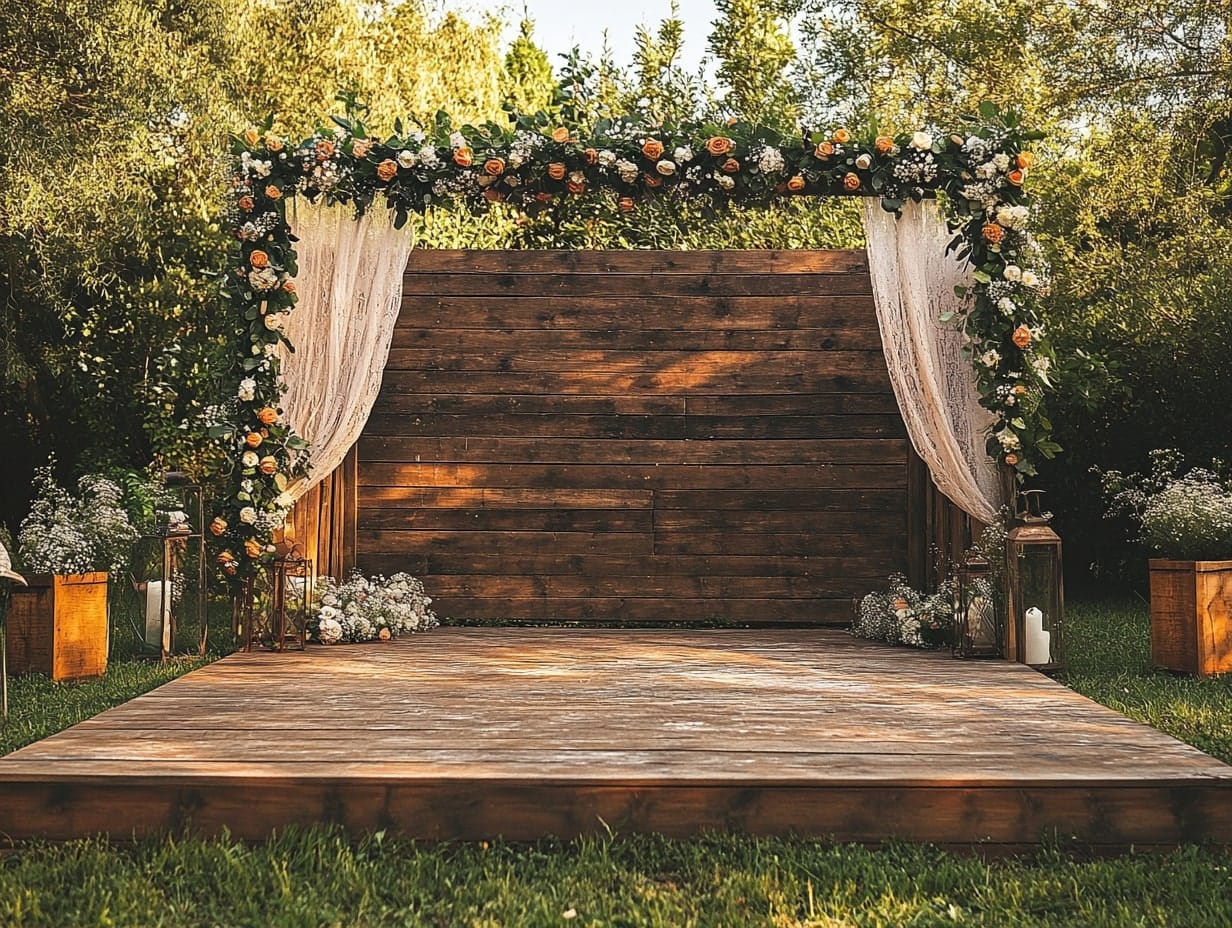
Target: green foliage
754 52
527 83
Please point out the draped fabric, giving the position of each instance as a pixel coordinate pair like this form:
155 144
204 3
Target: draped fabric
350 288
913 285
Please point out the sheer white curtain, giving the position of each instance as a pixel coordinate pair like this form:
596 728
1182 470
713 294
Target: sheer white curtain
913 284
350 287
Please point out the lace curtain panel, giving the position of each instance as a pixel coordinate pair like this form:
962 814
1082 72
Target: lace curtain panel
350 288
913 285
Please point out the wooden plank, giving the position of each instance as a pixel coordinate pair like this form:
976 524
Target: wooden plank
857 335
570 286
659 263
498 542
520 586
508 520
399 497
532 358
883 545
609 565
668 609
768 500
567 405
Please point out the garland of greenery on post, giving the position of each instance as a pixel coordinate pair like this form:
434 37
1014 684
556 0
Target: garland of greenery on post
979 174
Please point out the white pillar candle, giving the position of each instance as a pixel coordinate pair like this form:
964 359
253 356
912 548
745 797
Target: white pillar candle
157 616
1039 642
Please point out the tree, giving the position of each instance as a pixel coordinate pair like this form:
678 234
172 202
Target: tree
527 84
754 52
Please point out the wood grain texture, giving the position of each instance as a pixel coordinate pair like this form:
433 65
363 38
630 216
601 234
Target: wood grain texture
528 732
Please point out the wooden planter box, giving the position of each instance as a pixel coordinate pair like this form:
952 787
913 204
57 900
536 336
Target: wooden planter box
1191 616
58 626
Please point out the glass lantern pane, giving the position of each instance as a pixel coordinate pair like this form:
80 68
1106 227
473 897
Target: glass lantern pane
1039 585
978 617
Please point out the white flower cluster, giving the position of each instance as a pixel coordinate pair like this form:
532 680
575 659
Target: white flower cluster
903 615
368 609
67 534
770 160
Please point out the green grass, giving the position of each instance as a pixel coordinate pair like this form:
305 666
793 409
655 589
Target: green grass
325 877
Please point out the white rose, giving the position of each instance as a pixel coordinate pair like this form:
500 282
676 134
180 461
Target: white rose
990 358
666 168
1002 161
457 140
1012 273
986 171
683 154
1007 306
406 159
922 141
274 322
725 181
329 631
249 459
1030 279
261 168
248 515
247 390
607 158
864 162
627 170
284 501
265 278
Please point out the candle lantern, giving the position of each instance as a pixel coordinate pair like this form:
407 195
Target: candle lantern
1036 599
277 604
977 626
169 571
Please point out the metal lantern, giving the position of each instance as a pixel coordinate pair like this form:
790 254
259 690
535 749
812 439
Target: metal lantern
1036 598
977 625
277 604
169 571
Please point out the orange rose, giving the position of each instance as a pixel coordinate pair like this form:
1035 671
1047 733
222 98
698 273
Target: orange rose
652 180
591 155
325 149
731 166
268 465
1025 160
1021 337
387 170
273 143
993 233
653 149
273 192
823 151
463 157
842 136
289 286
719 145
384 634
1011 459
246 203
556 170
361 148
492 195
267 415
253 548
494 167
253 439
851 182
252 135
575 186
225 557
560 134
795 184
884 144
258 258
218 525
626 204
1016 177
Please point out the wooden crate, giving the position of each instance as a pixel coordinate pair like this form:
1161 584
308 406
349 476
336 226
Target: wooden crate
1191 616
58 626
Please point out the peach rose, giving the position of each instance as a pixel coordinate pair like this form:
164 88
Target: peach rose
252 135
731 166
1016 177
993 233
591 156
1025 160
273 143
253 439
253 548
268 465
653 149
626 204
1021 337
218 525
273 192
494 167
557 171
1011 459
463 157
384 634
325 149
387 170
289 286
560 134
823 151
851 182
361 148
267 415
795 184
719 145
884 144
246 203
842 136
258 258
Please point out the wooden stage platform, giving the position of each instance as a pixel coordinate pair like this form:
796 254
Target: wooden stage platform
525 732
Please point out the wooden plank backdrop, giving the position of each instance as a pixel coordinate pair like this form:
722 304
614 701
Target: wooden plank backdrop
640 435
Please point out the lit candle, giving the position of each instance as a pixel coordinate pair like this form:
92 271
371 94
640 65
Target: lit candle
1039 642
157 616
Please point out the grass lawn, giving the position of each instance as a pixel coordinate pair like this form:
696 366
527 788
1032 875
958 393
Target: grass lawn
323 877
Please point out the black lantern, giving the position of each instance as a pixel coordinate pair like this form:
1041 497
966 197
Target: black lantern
977 625
276 604
1036 598
169 571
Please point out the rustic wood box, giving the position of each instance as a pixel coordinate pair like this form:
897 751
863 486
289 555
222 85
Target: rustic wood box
1191 616
58 626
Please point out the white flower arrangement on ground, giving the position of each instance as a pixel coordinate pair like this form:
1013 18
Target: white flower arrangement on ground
903 615
370 609
67 534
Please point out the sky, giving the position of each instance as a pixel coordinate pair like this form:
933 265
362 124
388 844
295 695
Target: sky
561 24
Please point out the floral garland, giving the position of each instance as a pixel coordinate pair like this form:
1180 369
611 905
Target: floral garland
980 175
